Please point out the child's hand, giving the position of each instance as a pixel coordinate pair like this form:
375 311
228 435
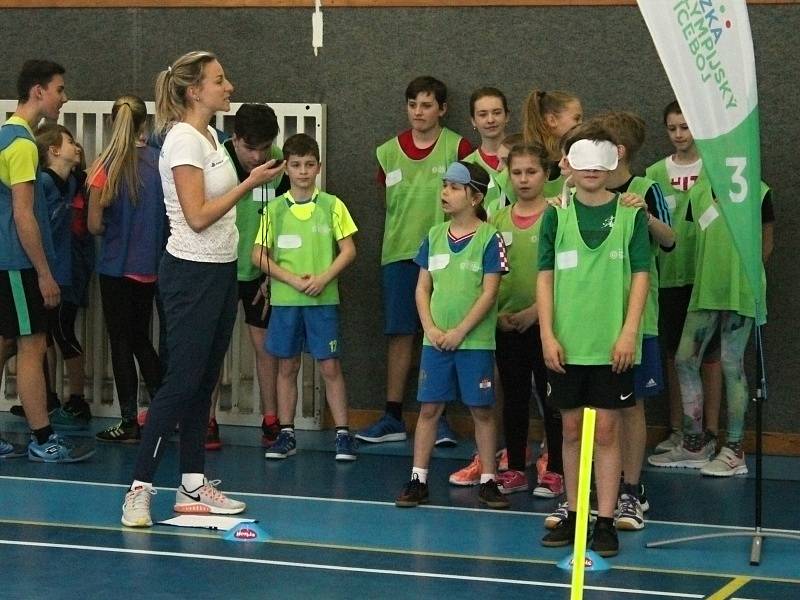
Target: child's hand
452 339
262 292
553 355
435 335
265 173
314 284
504 322
632 200
524 319
624 352
299 283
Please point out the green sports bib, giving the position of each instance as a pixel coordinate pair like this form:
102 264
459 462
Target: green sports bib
413 189
591 288
640 186
518 286
457 284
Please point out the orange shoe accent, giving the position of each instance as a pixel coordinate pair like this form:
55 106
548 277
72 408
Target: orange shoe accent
469 475
196 509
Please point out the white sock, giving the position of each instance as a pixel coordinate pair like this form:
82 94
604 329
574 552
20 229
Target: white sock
487 477
192 481
136 483
422 474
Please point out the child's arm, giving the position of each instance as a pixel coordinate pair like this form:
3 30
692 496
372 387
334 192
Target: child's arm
624 351
347 254
94 217
662 233
262 259
552 350
525 318
452 338
422 295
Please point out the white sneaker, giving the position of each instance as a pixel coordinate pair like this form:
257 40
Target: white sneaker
681 457
630 516
206 499
674 440
559 515
136 508
726 464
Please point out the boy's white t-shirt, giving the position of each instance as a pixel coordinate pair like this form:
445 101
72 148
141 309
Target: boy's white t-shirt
682 177
184 145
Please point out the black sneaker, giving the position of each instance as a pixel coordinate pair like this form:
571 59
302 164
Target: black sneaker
79 408
122 432
17 411
604 539
490 495
562 534
414 494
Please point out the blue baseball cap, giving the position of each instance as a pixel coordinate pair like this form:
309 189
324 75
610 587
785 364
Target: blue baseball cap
457 172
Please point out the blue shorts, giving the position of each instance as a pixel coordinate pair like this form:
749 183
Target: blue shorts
648 377
293 329
399 304
445 375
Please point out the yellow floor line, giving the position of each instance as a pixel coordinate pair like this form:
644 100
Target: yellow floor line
729 588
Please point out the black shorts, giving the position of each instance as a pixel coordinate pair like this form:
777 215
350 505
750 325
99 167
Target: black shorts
22 309
672 306
252 312
590 385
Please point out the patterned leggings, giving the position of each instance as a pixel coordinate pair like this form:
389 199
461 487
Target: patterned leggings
698 330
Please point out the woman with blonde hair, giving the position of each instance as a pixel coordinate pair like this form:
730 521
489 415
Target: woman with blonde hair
197 280
126 212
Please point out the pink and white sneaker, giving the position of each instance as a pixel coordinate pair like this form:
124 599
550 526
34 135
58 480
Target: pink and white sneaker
502 459
512 481
550 485
206 499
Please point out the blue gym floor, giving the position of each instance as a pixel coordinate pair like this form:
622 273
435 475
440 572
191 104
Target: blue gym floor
335 532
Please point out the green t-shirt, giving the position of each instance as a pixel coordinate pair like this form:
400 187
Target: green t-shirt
413 189
302 239
495 198
595 223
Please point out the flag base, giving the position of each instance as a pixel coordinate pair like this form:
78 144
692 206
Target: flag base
593 562
246 532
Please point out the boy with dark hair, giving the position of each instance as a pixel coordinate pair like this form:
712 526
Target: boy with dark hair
255 128
594 261
304 242
27 286
411 168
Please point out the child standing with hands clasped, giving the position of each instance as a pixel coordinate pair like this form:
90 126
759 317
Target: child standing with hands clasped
594 262
305 241
460 262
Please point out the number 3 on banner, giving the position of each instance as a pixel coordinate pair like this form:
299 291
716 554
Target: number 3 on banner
738 163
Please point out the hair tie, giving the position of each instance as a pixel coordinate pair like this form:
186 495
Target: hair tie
169 69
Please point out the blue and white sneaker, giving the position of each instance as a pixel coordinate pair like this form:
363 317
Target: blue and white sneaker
345 446
58 450
385 429
445 437
284 447
8 450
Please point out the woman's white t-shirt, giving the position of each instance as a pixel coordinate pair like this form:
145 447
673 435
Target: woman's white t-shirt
217 243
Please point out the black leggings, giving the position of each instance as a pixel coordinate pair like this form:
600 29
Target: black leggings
521 364
128 309
61 328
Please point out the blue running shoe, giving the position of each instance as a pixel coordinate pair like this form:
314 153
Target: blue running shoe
58 450
284 447
385 429
64 420
345 446
445 437
8 450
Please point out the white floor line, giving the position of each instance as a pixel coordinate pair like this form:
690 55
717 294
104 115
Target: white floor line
323 567
379 503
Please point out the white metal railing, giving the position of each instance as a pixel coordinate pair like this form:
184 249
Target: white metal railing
239 398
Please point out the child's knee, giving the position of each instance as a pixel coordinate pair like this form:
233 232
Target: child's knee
289 367
606 431
431 410
482 414
571 423
330 369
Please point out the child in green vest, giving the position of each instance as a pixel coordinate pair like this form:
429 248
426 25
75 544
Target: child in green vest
489 114
411 168
304 242
461 262
676 174
546 118
594 263
722 300
629 129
